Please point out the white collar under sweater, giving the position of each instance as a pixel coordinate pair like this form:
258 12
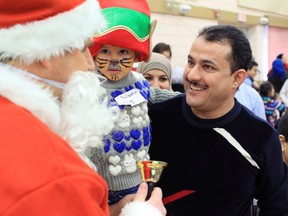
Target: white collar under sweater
29 94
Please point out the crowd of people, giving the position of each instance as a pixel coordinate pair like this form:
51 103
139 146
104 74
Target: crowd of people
75 118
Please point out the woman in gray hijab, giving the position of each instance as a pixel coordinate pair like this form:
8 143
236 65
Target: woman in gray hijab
157 71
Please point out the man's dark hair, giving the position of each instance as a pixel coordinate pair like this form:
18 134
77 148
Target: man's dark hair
241 54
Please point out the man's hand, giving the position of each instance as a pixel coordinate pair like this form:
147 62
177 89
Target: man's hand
155 199
115 209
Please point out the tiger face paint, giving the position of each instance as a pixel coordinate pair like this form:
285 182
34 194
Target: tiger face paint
115 62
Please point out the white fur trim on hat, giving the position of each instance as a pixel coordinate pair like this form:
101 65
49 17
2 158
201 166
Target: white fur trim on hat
52 36
140 209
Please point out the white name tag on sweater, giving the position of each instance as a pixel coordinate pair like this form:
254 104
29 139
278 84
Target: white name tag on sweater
132 98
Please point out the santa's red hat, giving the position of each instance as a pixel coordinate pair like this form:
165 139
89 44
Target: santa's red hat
39 29
128 26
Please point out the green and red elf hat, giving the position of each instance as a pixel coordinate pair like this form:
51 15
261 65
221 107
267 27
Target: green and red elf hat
128 26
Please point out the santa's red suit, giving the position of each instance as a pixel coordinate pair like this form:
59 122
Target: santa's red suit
40 173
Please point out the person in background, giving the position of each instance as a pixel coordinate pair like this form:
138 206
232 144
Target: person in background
157 71
163 49
277 75
273 107
283 94
283 136
220 156
40 173
251 99
177 79
251 73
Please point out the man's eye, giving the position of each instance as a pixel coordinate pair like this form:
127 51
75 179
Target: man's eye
208 67
190 63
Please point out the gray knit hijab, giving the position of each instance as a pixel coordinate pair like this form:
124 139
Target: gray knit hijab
156 61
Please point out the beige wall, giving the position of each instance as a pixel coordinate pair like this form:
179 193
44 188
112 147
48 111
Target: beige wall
180 30
274 6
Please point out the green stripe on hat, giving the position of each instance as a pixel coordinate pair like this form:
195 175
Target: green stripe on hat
120 18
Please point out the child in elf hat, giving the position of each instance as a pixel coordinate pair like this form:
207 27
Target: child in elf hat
125 40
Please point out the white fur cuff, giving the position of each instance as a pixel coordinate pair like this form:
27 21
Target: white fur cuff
140 209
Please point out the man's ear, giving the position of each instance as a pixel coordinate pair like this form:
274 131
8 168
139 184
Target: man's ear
282 141
239 77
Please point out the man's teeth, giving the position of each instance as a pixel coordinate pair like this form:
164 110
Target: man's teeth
194 88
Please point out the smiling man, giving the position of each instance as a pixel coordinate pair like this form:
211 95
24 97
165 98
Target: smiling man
220 156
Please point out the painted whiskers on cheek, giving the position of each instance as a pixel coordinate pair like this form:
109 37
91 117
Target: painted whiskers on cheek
102 63
107 67
126 62
114 77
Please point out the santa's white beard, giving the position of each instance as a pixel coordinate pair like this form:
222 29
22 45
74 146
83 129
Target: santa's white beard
86 118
